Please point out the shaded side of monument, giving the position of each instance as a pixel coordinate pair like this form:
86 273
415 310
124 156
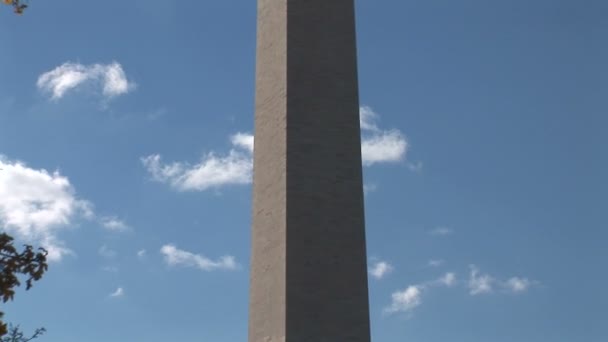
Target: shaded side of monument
309 264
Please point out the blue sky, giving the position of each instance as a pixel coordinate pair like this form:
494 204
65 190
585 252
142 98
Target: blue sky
125 139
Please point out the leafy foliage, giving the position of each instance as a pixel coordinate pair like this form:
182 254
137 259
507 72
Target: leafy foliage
30 263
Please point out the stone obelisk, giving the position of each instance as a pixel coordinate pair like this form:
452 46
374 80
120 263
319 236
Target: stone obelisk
309 264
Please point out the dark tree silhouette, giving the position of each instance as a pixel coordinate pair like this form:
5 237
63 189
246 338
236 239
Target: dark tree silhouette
13 264
16 335
18 5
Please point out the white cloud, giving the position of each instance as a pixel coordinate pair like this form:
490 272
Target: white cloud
388 146
367 119
435 262
115 81
114 224
479 283
518 285
69 76
177 257
244 140
107 252
442 231
406 300
449 279
484 283
235 167
36 205
380 269
377 145
118 293
411 297
212 172
141 253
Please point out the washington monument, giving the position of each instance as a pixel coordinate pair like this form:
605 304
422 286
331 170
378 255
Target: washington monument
309 264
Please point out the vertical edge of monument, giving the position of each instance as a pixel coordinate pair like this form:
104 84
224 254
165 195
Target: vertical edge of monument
267 293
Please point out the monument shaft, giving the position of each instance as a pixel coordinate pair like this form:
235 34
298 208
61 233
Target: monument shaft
309 264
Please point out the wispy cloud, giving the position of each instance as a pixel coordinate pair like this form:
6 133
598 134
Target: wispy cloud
243 140
388 146
177 257
369 188
406 300
211 172
485 283
368 119
449 279
120 292
518 285
479 283
411 297
141 254
415 167
37 205
107 252
235 167
380 269
378 145
114 224
441 231
435 262
110 77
